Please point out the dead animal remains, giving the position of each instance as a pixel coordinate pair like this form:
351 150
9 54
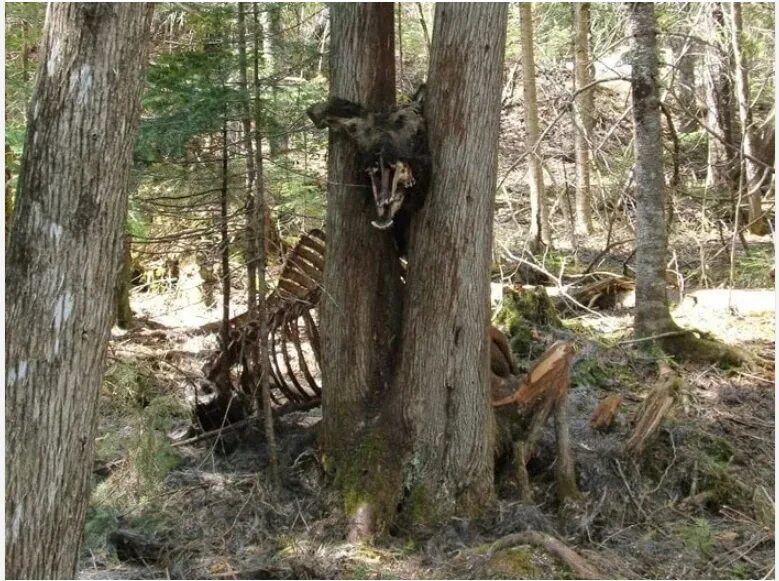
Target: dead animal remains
523 402
393 153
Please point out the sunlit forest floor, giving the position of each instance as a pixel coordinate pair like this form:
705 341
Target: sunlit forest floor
698 504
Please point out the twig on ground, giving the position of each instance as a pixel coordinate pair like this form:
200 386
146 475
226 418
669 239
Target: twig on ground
213 433
653 337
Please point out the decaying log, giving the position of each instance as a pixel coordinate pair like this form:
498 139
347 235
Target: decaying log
578 564
656 407
611 291
604 414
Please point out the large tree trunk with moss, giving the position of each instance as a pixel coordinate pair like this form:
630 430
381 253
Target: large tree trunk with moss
652 314
584 110
443 372
752 173
62 266
361 299
539 213
719 102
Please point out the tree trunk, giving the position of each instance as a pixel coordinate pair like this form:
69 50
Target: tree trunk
361 300
9 193
223 382
124 314
539 213
719 101
443 372
259 258
584 109
752 172
277 136
251 177
685 59
62 266
652 315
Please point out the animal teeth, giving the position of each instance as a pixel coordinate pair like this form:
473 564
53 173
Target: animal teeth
383 226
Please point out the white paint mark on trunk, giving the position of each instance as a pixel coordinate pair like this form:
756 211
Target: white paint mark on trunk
16 523
55 231
53 61
52 494
81 82
62 310
21 370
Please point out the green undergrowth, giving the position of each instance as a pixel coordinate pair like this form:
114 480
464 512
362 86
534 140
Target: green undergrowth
519 314
697 536
137 412
754 269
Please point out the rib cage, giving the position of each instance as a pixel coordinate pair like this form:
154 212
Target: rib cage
294 342
293 335
292 306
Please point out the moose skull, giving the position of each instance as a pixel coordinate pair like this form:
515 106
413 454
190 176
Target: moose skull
391 146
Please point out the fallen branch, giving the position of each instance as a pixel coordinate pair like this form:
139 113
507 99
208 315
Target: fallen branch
214 433
581 567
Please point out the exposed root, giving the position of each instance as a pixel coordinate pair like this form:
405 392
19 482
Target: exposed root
697 347
579 565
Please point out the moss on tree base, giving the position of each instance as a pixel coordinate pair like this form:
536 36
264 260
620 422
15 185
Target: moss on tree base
698 347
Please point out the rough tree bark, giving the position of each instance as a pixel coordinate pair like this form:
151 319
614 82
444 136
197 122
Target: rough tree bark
752 173
124 314
443 372
539 213
719 102
652 315
584 110
62 266
361 299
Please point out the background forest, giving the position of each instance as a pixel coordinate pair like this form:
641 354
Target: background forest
199 473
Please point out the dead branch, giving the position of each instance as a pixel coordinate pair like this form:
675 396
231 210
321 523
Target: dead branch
214 433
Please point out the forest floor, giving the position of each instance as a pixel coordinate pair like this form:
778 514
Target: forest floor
699 503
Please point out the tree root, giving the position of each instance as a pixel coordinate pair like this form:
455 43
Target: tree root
579 565
698 347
